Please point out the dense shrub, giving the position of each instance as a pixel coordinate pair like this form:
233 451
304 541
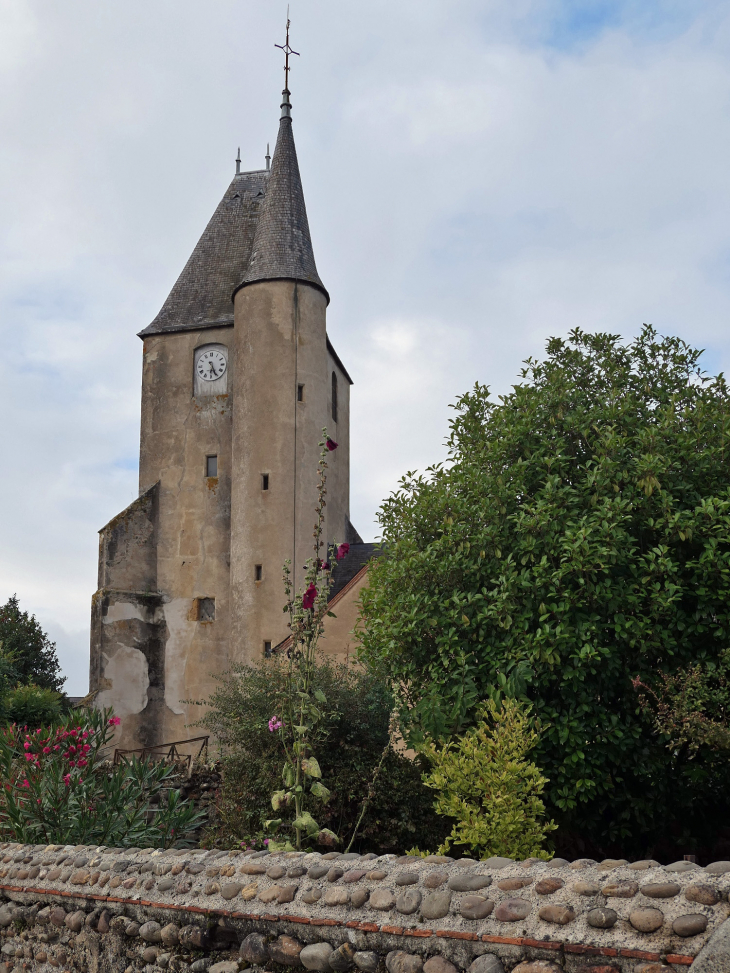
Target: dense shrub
56 789
577 539
33 706
485 781
350 740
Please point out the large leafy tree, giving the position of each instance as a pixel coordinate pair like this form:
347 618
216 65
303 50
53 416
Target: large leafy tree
30 651
577 539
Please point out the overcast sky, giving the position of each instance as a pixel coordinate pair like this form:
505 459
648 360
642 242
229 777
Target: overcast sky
478 175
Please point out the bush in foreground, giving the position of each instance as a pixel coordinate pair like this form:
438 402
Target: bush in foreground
57 789
350 739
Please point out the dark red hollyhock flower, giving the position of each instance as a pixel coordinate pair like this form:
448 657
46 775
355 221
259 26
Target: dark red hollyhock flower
309 595
342 551
331 444
326 566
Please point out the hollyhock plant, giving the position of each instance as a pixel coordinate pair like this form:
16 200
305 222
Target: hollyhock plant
301 704
342 550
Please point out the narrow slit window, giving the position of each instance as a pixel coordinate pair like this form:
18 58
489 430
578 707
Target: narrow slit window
267 650
334 397
211 466
264 481
300 393
259 572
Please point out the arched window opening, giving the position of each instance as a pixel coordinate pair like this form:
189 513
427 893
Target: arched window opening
334 397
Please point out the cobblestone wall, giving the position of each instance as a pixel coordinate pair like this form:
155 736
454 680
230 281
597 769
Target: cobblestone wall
107 910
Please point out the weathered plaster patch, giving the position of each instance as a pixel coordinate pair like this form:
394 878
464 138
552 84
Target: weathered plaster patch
122 611
126 672
181 633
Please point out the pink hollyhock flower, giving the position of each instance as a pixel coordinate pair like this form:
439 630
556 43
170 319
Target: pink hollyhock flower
331 444
275 724
309 595
115 721
342 551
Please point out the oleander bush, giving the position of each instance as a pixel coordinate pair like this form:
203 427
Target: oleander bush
57 788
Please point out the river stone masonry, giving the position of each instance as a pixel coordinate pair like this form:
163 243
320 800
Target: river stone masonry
110 910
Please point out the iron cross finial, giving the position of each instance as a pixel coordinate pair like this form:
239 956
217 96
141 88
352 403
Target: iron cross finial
287 49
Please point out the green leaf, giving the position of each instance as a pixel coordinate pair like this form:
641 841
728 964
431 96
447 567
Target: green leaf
311 767
306 823
278 798
320 791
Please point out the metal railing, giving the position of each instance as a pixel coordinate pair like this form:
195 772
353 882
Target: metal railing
167 751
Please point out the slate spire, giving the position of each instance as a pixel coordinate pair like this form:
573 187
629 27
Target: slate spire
282 246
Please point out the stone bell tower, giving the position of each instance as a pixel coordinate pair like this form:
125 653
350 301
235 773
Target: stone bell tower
239 379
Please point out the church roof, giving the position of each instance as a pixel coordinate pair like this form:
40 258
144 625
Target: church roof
202 293
258 232
282 247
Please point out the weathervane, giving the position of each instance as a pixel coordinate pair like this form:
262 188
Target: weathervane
287 49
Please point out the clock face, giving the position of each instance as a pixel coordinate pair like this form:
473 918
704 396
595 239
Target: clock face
211 365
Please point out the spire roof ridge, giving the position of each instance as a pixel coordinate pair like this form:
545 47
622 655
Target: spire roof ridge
282 246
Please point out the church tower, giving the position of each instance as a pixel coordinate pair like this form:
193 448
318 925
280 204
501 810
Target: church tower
239 379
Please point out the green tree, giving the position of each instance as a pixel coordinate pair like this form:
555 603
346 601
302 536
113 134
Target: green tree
578 538
486 782
32 653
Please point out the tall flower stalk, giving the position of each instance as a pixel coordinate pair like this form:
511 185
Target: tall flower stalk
300 707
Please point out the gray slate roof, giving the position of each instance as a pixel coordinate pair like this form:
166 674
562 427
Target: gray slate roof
282 247
351 564
201 296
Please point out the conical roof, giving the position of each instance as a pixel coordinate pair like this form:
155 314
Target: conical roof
282 246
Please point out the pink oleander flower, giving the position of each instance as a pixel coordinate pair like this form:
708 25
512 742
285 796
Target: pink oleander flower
25 783
82 763
309 596
331 444
26 746
29 756
115 721
342 550
275 724
67 780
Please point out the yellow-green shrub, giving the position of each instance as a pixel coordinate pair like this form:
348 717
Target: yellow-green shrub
485 781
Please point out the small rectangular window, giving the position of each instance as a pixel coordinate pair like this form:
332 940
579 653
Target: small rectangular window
259 573
211 466
206 609
300 393
267 649
264 481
